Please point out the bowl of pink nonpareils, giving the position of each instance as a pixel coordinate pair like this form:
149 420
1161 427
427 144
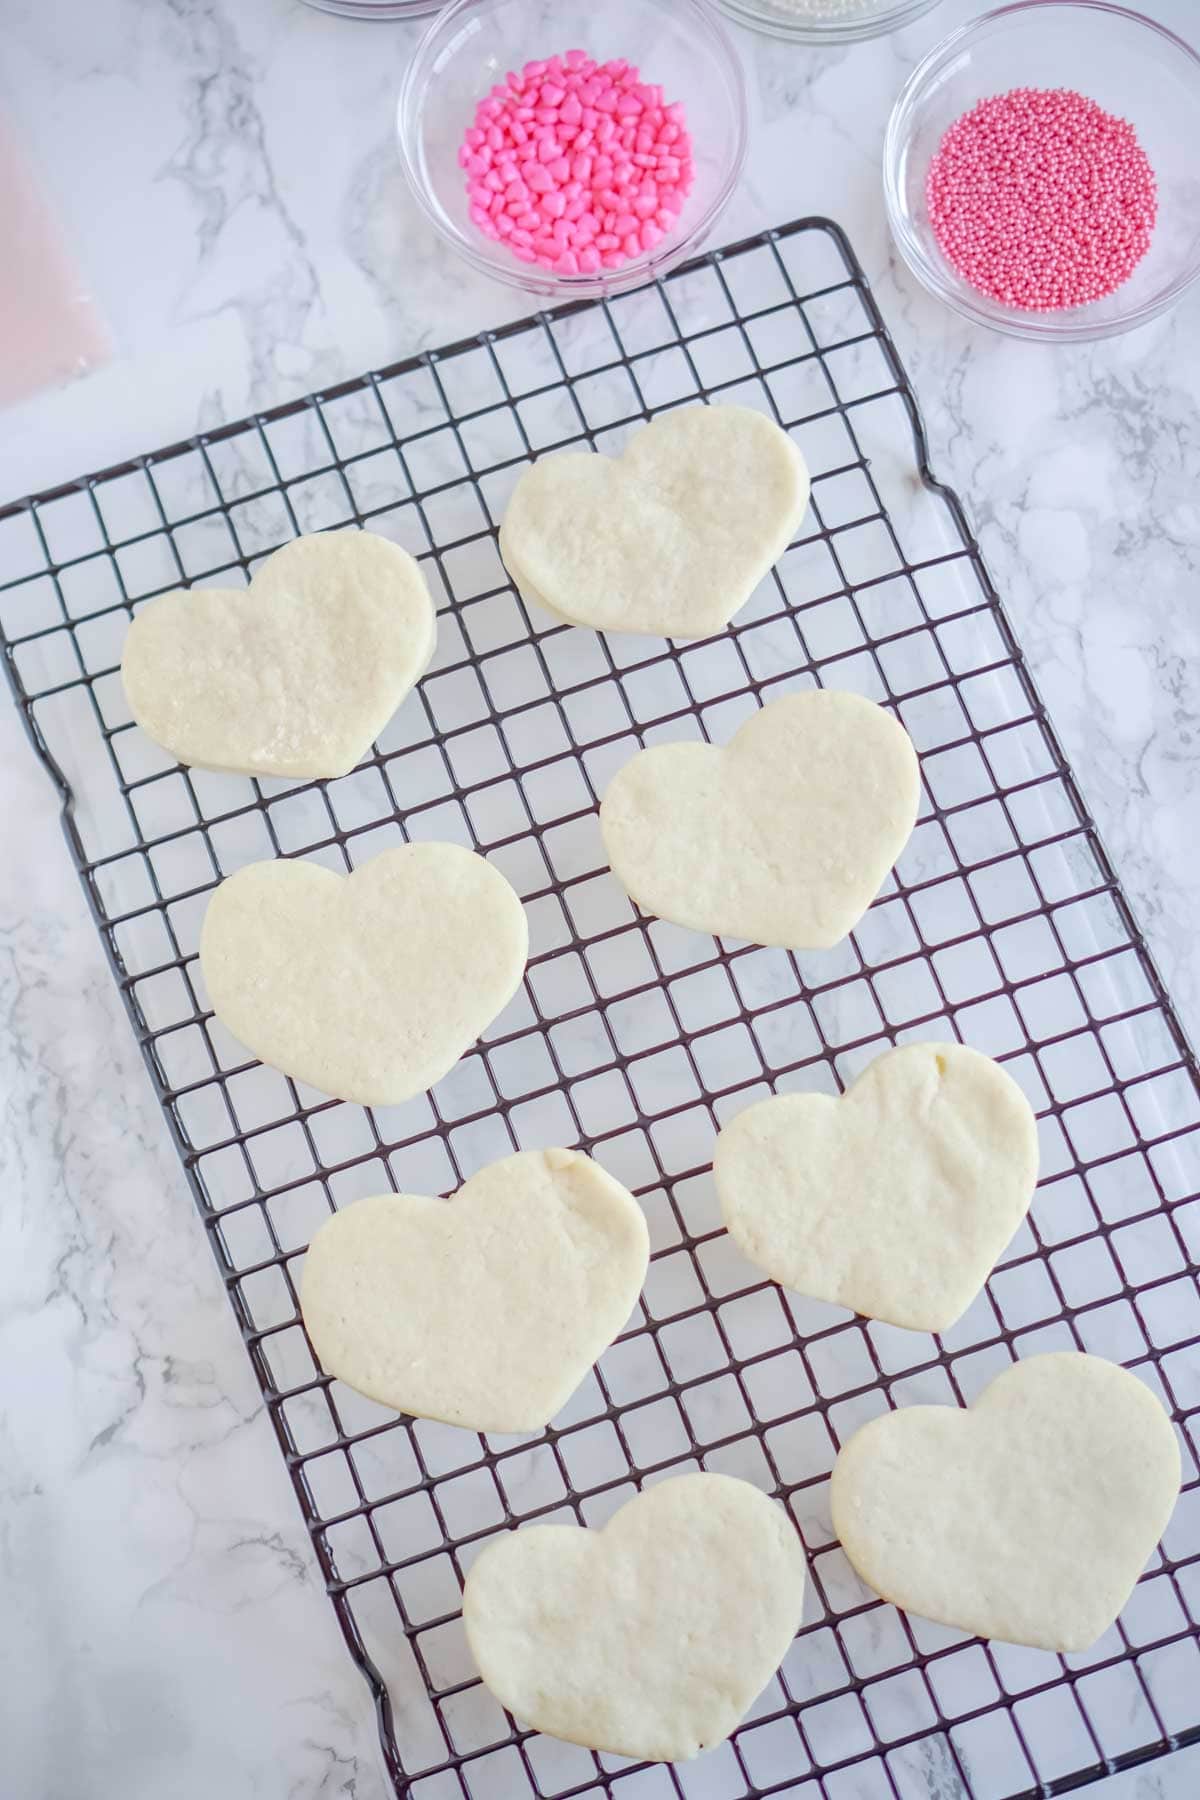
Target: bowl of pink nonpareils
574 148
1042 170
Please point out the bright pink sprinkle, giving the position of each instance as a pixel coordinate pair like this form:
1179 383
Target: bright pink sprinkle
1041 199
577 165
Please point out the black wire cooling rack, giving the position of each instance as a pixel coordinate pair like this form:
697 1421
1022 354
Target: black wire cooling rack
1003 926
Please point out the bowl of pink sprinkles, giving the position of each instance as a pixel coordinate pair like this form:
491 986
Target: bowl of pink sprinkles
577 166
1042 170
573 149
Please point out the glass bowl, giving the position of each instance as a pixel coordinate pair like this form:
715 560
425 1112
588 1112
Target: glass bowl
678 43
826 21
378 9
1127 63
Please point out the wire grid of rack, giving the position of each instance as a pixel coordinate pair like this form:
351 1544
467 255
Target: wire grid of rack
1003 925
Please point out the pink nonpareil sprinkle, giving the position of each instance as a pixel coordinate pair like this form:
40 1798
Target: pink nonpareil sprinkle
1041 199
576 165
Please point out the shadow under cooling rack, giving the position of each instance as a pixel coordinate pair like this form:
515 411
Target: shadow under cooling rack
1003 926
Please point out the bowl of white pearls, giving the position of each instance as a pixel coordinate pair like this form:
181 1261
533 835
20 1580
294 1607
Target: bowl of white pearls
828 22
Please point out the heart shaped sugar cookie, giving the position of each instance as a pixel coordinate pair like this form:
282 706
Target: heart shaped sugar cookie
1027 1517
369 987
650 1638
485 1310
672 537
782 837
295 675
895 1200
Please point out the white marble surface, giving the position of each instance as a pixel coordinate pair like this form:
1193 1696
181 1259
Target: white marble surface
225 172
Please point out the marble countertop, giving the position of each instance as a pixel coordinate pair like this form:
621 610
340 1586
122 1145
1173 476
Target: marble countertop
226 176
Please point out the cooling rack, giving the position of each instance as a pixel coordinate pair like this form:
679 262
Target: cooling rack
1004 926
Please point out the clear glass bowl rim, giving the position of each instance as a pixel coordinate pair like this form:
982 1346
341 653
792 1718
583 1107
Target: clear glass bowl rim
829 32
380 12
639 270
1063 328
